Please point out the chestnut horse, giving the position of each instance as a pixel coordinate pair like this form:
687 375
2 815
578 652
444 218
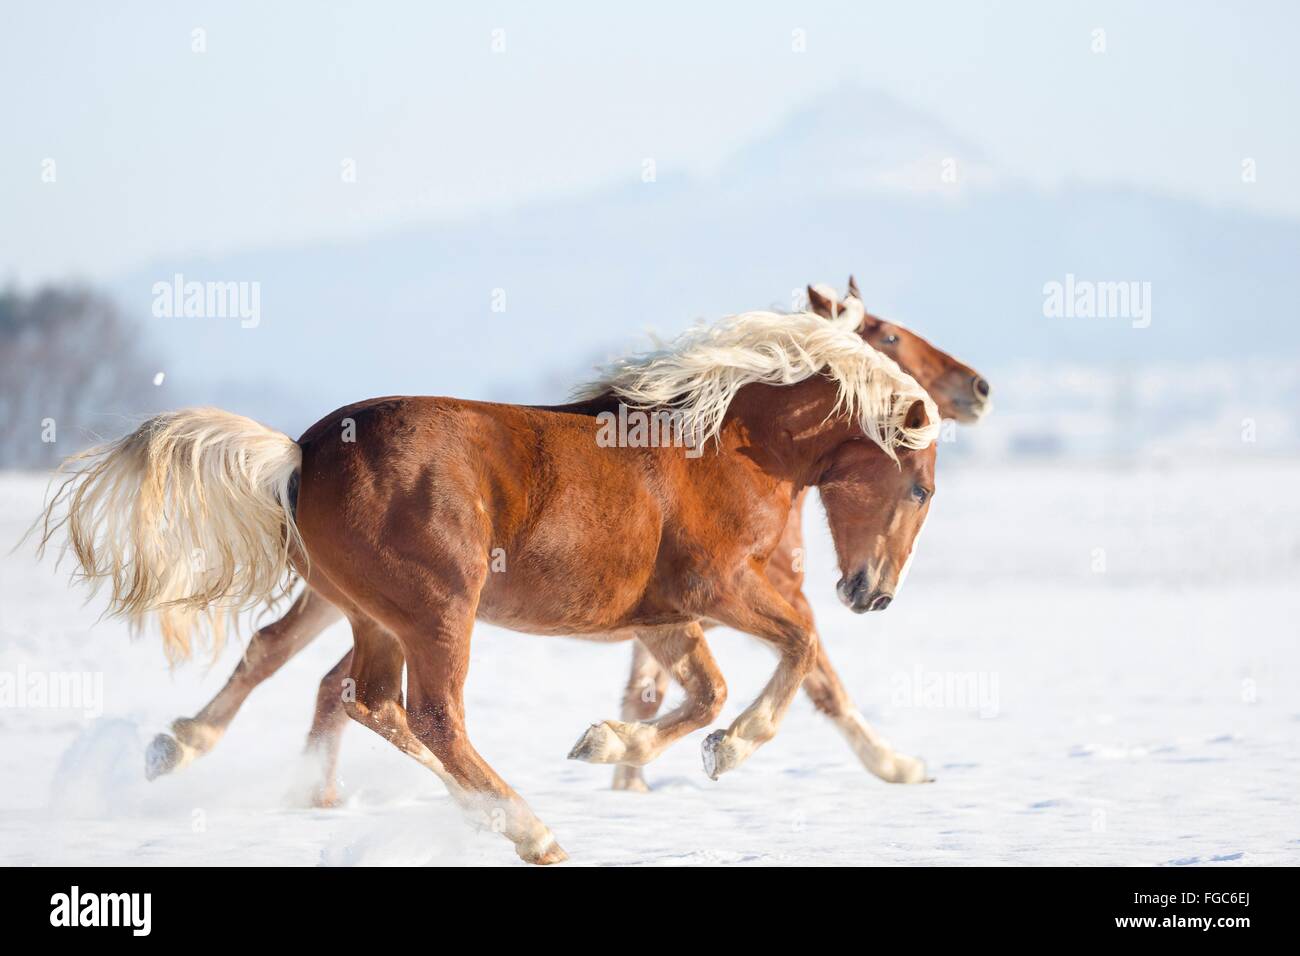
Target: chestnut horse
392 509
959 392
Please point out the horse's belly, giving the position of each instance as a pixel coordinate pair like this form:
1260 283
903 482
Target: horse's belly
561 599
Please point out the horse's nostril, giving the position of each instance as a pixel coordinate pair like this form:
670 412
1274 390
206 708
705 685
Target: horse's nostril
981 387
881 602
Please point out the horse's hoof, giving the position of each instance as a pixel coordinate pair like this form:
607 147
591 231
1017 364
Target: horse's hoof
552 852
900 768
164 755
600 744
326 798
910 770
715 754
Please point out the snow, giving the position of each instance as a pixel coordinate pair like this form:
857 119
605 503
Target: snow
1099 664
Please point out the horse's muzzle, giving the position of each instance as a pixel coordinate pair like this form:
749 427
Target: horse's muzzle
859 597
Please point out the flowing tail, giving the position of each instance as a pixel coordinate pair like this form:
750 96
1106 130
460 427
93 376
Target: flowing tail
189 516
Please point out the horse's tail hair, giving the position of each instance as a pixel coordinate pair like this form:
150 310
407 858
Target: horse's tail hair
189 516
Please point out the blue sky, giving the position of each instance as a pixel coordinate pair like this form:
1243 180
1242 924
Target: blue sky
159 150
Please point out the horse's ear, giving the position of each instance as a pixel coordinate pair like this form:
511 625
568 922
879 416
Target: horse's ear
853 290
822 301
916 416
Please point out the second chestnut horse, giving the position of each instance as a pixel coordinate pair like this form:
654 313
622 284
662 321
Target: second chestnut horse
961 394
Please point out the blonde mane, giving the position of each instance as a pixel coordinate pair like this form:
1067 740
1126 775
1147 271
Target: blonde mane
699 373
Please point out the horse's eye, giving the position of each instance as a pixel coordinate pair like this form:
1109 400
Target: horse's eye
889 340
920 494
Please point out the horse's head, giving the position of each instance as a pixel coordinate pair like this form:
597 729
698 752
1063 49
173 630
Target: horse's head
959 391
876 507
810 403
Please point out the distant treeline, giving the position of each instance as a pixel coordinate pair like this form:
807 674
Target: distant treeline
72 370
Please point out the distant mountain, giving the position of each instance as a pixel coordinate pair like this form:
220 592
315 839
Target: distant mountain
840 186
858 142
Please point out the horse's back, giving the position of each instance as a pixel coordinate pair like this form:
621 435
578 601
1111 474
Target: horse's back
524 498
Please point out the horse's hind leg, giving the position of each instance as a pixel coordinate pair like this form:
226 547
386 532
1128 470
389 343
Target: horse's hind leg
432 730
326 732
439 723
375 669
435 635
646 686
267 652
438 665
829 696
682 652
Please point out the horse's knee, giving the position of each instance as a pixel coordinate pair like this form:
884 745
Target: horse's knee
799 647
711 698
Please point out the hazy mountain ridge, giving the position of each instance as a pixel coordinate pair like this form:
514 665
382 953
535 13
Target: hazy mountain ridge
413 311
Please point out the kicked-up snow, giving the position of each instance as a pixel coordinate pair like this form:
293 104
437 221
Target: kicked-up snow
1100 666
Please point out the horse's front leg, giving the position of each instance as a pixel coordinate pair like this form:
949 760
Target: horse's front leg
682 652
646 686
757 608
828 694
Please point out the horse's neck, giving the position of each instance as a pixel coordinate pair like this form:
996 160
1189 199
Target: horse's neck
786 430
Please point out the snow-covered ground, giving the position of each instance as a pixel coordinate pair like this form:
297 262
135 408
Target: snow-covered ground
1100 666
